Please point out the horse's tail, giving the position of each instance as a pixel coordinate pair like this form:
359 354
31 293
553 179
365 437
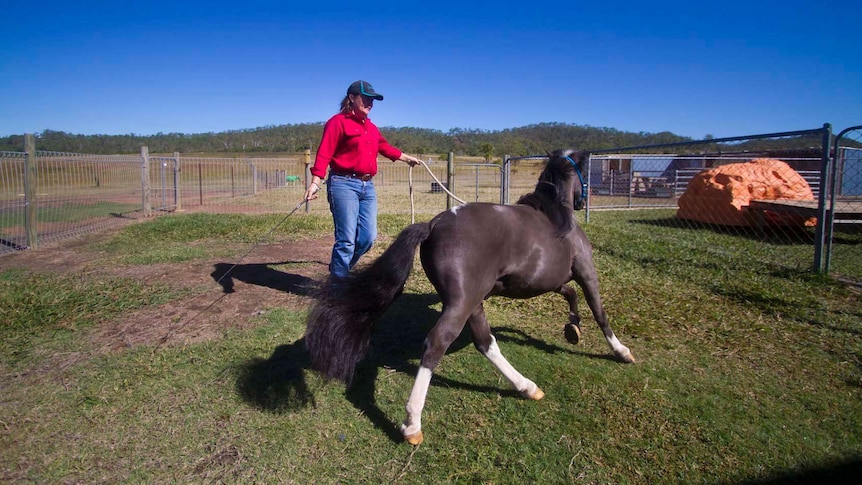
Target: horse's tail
339 324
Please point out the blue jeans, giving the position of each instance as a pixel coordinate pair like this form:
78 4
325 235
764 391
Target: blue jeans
353 204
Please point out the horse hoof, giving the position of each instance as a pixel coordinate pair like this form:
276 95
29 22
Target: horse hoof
414 439
536 395
573 333
628 358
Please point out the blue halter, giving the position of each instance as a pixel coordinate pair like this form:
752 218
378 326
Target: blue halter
580 177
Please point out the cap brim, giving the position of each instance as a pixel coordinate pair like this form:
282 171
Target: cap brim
372 94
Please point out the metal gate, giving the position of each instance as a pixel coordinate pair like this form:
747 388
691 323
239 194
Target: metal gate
844 208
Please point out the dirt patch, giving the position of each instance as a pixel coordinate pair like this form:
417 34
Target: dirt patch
272 276
281 275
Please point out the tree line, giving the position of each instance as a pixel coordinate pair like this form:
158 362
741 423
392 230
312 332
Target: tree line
294 138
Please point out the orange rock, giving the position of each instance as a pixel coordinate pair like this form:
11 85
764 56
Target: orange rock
721 195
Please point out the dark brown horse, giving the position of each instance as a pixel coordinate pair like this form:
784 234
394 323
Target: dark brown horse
469 253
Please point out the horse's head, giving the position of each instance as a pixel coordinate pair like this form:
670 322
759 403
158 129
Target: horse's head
578 161
561 188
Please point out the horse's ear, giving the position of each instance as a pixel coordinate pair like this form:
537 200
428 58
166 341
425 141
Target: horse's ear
558 153
582 156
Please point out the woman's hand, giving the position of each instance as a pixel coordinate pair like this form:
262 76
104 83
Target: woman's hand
313 187
411 160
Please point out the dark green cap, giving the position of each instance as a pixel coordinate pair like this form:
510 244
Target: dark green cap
364 88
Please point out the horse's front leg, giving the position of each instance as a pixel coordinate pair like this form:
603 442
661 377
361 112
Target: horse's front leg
588 281
486 344
572 330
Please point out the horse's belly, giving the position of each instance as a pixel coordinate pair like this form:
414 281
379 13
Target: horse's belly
531 283
518 293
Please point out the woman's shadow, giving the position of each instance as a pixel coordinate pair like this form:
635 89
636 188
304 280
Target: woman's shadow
261 274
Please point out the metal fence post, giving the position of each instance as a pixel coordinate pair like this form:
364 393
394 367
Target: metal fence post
450 179
145 181
253 179
822 229
163 172
177 185
306 160
589 188
30 180
504 181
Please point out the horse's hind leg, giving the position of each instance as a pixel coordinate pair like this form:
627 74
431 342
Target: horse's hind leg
412 426
487 345
572 330
445 331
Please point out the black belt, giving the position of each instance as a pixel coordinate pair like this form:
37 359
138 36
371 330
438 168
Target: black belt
365 177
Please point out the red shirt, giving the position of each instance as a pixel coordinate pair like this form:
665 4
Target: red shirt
351 145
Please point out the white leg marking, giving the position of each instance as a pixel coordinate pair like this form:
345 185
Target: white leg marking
618 348
413 423
522 384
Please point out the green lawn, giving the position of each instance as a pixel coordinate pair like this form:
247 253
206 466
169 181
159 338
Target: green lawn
748 369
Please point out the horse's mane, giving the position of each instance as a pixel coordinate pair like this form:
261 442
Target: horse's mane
549 196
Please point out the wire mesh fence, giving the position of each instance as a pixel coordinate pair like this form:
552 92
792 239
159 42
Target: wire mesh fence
224 184
66 194
773 188
12 201
73 194
262 185
744 186
648 181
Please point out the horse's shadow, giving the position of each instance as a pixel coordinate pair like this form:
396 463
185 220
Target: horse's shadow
278 384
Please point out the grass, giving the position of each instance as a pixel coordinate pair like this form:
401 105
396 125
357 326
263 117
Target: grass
45 315
747 370
179 238
69 214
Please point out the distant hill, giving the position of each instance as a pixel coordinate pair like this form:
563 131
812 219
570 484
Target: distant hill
282 139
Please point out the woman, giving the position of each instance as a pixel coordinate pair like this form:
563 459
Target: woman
349 148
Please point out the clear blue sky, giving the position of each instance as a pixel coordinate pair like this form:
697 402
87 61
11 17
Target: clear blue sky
692 68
